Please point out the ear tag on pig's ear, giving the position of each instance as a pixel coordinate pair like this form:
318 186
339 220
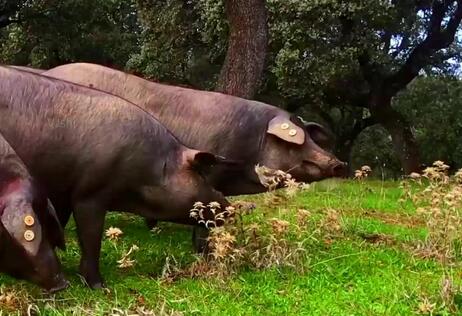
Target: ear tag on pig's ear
29 220
29 235
283 128
24 227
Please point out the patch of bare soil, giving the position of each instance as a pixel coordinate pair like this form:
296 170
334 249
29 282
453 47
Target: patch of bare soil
381 239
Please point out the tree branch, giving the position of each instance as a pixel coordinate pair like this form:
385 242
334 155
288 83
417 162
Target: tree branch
436 39
346 90
386 40
367 69
361 125
439 8
402 46
347 28
358 127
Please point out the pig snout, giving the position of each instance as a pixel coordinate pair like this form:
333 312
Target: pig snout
338 169
58 283
47 269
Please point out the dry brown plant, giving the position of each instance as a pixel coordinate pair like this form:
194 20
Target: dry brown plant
439 203
363 172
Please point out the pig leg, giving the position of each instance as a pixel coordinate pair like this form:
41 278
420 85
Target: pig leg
199 239
89 219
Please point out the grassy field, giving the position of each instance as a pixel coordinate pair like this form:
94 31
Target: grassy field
356 258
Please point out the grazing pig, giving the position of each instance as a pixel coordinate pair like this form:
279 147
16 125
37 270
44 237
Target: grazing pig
95 152
29 227
244 130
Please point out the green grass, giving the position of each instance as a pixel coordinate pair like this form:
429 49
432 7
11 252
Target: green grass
346 276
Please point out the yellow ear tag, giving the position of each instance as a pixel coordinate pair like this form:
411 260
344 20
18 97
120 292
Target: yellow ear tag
29 220
293 132
284 126
29 235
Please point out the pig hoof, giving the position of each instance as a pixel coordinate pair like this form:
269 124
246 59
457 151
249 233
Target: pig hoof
64 285
98 286
151 223
93 283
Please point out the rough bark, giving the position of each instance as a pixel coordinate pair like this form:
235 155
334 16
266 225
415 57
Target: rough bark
247 48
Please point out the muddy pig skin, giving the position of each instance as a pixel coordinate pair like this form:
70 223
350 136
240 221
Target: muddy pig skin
29 227
94 152
239 129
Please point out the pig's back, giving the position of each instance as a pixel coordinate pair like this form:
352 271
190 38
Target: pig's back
211 121
60 129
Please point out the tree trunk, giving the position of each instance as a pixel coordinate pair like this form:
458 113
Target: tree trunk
403 139
348 136
247 47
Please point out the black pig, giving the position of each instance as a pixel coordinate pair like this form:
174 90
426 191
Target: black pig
29 227
95 152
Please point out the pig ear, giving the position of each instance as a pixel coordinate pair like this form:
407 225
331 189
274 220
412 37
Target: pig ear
208 159
54 229
203 158
22 225
285 129
203 161
319 134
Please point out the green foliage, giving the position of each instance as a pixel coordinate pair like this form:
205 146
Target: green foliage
303 47
435 106
374 148
322 40
182 42
52 33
